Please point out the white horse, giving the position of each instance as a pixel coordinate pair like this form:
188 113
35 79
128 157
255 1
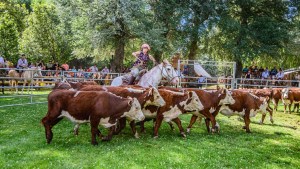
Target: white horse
154 76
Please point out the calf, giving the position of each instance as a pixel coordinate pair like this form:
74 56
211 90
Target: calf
290 96
146 97
177 103
246 105
94 107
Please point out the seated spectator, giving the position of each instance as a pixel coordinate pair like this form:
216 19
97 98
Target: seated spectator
104 72
248 75
73 73
32 65
255 72
80 72
200 81
94 68
245 70
280 75
2 63
273 72
265 74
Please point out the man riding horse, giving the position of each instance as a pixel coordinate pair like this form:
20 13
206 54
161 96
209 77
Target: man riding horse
142 60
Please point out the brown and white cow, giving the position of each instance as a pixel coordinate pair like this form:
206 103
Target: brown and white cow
290 96
177 103
264 94
145 96
212 100
246 105
95 107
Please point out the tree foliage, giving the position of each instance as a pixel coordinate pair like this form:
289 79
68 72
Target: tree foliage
110 30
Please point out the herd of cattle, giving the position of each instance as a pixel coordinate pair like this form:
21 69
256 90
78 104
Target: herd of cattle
111 107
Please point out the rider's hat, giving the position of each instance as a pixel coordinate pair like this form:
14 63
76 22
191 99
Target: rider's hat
145 45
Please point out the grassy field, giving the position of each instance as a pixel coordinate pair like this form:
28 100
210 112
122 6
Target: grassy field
23 144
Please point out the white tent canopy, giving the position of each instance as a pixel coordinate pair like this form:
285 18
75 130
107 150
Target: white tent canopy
200 71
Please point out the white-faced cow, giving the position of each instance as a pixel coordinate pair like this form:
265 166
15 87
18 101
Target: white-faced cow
177 103
290 96
95 107
145 96
246 105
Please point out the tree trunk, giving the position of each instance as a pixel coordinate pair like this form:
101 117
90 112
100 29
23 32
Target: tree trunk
117 62
239 69
193 49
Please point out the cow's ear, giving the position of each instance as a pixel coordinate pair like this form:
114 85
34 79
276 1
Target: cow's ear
190 94
151 91
130 101
223 91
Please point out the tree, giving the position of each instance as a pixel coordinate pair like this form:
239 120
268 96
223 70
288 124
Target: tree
44 38
11 26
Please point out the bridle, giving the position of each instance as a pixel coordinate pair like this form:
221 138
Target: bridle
167 75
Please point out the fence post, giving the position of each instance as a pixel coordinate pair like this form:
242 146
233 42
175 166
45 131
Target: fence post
178 70
233 80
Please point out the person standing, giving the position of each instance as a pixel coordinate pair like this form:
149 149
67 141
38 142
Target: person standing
104 72
2 62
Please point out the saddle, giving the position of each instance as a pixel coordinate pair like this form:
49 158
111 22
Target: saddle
132 78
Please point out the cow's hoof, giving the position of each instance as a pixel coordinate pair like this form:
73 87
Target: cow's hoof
248 131
188 130
95 143
260 122
272 121
244 127
106 138
136 135
183 134
155 137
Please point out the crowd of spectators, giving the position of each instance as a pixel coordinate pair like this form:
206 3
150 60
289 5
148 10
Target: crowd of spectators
54 68
263 73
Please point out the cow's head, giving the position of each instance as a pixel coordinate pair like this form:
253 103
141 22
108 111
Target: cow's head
135 111
285 93
225 97
154 98
192 103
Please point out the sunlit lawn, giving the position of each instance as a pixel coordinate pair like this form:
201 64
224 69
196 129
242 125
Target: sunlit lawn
23 144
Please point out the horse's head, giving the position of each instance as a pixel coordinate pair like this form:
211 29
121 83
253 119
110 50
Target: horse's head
169 73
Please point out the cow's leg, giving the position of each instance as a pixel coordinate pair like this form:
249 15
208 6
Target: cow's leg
110 134
133 129
215 127
48 124
262 119
94 130
247 122
178 122
275 102
121 125
271 114
76 129
158 122
142 125
171 126
290 105
192 121
207 121
284 106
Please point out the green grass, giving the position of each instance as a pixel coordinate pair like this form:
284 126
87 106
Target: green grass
23 144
